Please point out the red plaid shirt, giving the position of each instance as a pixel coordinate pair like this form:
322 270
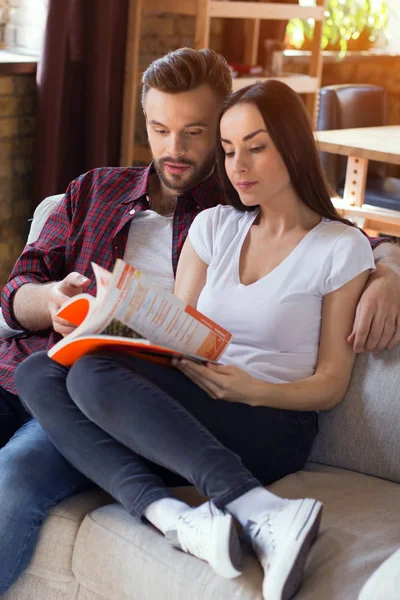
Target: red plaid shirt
91 223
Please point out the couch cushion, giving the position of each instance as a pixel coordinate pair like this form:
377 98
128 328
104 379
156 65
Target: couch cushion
362 432
119 558
53 556
32 587
122 559
49 574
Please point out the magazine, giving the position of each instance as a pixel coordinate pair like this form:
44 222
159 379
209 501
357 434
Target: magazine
131 313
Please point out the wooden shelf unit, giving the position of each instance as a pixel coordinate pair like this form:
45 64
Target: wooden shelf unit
204 11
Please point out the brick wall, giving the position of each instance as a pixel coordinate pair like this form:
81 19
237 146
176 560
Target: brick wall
17 123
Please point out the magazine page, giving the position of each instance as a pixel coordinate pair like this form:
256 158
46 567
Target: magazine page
82 306
136 314
164 319
103 280
93 314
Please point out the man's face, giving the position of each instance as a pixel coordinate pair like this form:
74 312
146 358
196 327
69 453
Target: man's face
182 134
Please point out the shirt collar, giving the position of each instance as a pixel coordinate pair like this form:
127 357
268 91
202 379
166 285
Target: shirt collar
142 184
203 194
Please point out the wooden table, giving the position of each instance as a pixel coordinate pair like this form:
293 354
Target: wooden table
360 145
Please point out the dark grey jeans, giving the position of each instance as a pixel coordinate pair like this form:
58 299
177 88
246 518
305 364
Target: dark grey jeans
130 426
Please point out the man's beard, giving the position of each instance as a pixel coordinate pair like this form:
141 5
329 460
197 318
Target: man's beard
199 173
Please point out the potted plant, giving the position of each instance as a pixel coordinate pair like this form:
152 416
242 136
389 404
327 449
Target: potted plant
348 24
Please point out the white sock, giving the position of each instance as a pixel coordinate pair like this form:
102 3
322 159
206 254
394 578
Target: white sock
164 513
253 503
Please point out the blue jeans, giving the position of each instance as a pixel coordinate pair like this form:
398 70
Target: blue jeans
120 419
33 477
12 415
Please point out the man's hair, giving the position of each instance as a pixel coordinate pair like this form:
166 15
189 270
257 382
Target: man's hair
186 69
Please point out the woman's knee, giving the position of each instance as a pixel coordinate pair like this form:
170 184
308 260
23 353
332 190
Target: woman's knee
34 375
91 385
32 371
30 368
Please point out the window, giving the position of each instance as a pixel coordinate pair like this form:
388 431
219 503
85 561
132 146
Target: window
393 27
26 24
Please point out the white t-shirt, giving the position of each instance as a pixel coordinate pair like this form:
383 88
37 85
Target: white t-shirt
149 246
275 321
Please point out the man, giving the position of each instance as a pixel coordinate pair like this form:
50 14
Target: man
138 214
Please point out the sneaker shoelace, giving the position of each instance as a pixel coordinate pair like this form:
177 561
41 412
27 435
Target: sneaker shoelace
263 538
193 536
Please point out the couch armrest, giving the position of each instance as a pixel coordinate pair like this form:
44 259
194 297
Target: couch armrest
5 330
40 217
362 432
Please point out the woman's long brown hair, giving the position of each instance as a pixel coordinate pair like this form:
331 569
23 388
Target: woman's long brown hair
289 127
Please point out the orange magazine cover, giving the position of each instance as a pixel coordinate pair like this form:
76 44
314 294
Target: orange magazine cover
132 313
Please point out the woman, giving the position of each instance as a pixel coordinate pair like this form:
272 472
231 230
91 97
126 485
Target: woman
263 268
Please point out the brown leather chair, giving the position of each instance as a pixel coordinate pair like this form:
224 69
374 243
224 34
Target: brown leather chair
357 105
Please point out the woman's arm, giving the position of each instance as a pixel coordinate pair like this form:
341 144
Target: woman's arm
328 385
190 276
321 391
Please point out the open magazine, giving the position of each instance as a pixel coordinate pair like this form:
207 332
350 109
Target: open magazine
133 314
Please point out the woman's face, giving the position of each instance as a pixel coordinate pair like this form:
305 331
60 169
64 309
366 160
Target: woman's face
252 162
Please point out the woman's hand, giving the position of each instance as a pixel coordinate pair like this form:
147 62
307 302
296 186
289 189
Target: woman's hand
224 382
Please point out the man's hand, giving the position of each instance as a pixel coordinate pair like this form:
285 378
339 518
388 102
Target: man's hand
60 292
377 322
223 382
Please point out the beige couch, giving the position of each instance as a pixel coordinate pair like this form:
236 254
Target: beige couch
92 549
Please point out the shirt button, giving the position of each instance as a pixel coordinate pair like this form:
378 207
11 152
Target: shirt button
198 207
133 211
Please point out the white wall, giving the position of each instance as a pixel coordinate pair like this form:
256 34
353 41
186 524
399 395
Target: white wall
394 25
27 21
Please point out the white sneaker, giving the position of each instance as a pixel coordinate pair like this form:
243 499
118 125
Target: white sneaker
210 535
282 538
